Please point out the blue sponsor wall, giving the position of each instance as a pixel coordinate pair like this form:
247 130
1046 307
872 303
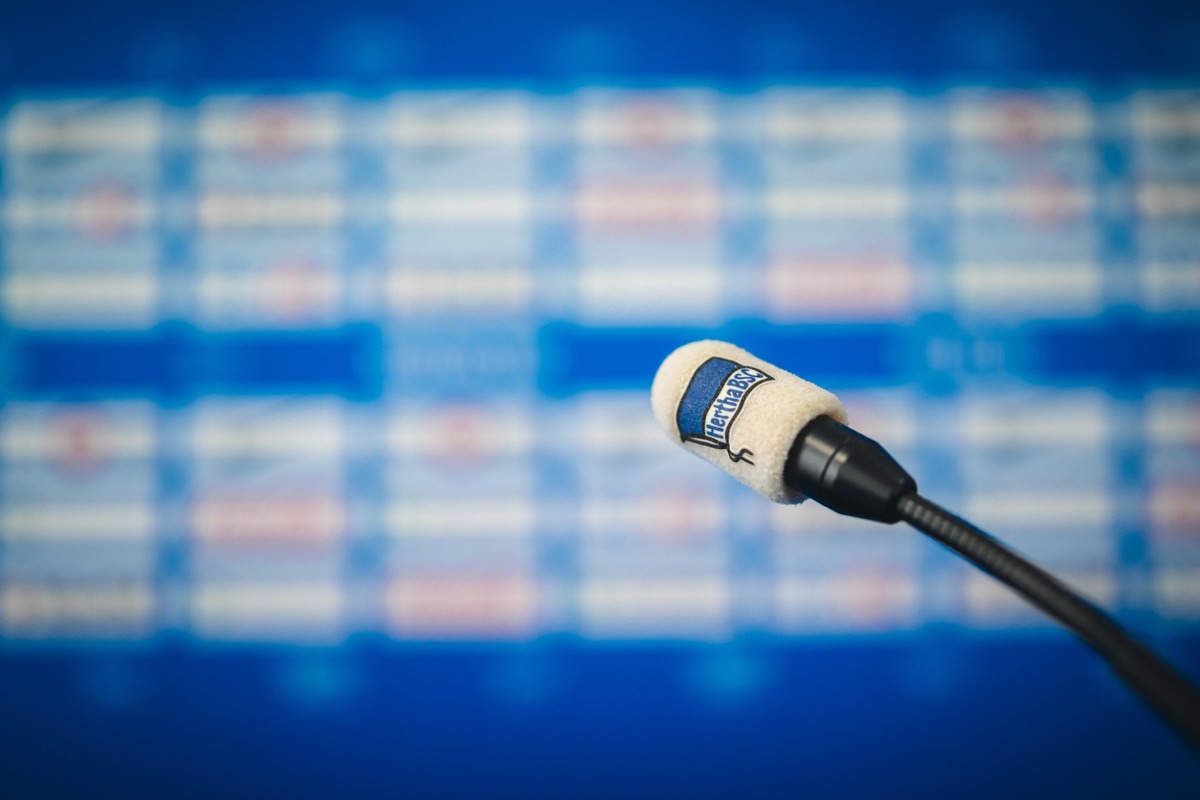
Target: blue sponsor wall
326 460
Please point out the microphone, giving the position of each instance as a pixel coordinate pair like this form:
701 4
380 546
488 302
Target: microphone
787 439
780 435
738 412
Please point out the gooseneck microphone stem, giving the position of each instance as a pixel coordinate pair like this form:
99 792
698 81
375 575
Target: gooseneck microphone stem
851 474
1159 685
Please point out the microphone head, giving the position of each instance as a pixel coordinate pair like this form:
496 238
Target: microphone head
738 412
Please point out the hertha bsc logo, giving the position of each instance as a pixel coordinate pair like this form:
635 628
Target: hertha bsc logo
713 399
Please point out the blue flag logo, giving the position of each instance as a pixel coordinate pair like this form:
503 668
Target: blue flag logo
713 399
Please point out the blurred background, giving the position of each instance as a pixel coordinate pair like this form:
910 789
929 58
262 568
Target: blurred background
326 459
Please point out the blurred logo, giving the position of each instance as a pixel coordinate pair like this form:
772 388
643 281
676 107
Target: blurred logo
274 132
653 125
712 402
107 210
38 610
456 435
1174 508
1049 201
680 513
461 435
643 207
829 285
294 521
1020 123
297 290
449 606
79 442
648 124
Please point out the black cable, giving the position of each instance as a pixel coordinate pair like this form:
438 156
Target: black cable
851 474
1164 689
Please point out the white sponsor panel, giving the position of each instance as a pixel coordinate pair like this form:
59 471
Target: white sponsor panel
1168 199
609 205
302 209
1014 287
78 438
460 434
835 202
43 126
663 510
1042 200
509 206
296 610
64 522
461 119
294 522
1045 420
106 210
864 599
454 516
75 300
32 610
268 429
1173 506
1021 119
646 120
488 606
1167 287
288 292
271 127
431 291
1166 114
796 116
616 425
1177 593
651 293
837 286
656 607
1089 510
1173 418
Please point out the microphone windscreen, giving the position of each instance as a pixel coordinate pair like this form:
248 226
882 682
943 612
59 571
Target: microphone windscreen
738 412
